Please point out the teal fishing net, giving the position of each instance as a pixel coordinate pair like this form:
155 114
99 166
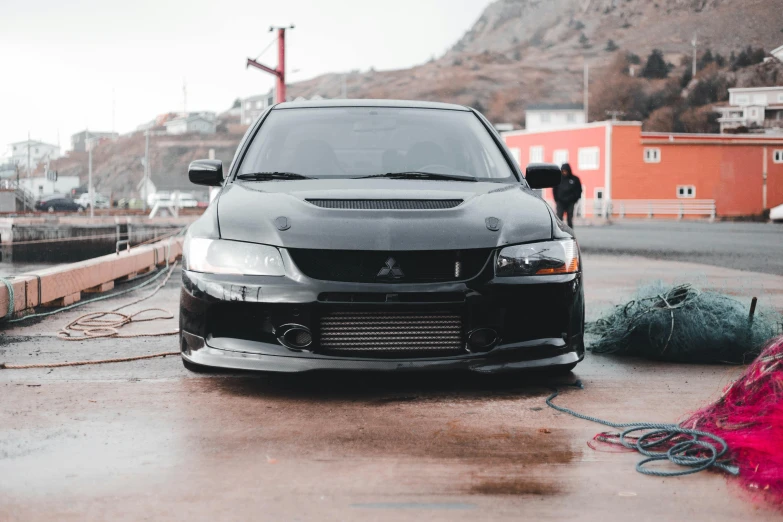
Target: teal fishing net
684 324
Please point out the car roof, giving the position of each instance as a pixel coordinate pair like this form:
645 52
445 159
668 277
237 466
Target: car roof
402 104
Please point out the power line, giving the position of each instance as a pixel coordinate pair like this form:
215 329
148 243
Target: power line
271 42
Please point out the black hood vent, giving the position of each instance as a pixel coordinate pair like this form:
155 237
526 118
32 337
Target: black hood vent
386 204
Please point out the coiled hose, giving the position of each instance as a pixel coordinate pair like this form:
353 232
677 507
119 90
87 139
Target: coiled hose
693 449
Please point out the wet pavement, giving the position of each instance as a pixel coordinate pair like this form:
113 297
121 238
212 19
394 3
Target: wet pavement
756 247
149 440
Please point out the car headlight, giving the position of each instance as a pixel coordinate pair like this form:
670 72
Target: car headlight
218 256
550 257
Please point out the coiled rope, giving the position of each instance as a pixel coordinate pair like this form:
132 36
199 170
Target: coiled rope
693 449
97 325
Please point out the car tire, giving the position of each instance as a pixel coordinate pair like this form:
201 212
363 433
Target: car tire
50 209
196 368
80 209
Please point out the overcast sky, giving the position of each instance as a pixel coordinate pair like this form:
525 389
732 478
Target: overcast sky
63 62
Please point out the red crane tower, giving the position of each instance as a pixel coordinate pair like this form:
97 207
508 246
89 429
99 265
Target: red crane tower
278 73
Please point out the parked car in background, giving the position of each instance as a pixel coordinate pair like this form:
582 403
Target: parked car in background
58 203
130 203
776 214
100 200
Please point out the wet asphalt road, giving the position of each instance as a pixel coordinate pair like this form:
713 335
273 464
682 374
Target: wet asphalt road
148 440
756 247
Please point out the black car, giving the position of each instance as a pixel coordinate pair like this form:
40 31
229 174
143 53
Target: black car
57 203
378 235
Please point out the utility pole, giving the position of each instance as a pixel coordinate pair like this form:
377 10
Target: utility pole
29 172
278 73
88 143
586 90
113 110
145 182
694 43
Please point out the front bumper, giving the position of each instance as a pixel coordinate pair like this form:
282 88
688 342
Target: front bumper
231 321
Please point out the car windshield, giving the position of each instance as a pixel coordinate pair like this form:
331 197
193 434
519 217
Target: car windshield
352 142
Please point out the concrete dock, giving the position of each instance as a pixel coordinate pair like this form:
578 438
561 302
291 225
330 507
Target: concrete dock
149 440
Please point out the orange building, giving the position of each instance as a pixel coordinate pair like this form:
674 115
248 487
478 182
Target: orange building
627 171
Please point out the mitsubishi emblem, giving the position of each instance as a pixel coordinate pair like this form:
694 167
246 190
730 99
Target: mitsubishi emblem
392 270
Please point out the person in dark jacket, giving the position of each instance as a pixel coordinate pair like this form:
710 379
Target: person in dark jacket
567 194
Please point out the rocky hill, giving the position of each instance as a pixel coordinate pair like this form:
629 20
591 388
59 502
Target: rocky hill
527 51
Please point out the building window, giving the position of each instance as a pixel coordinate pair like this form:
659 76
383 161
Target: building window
686 191
754 113
571 117
589 158
777 156
652 155
780 98
248 106
560 156
546 117
598 193
759 99
536 154
741 99
516 153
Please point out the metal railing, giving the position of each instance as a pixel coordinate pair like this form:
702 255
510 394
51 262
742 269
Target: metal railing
644 207
25 197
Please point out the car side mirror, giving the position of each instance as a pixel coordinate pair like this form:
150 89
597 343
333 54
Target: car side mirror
206 172
542 175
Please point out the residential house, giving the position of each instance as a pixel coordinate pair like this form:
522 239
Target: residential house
79 140
162 186
36 151
622 167
553 116
194 122
252 107
40 186
758 109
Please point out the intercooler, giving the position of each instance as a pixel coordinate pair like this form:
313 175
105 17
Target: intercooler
392 333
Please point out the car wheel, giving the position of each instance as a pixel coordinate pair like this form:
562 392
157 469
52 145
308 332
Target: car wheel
196 368
80 209
50 209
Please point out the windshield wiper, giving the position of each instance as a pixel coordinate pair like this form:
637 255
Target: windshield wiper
420 175
264 176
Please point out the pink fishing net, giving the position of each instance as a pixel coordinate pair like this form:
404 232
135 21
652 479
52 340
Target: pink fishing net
749 417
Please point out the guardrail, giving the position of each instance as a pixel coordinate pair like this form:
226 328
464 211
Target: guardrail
62 285
644 207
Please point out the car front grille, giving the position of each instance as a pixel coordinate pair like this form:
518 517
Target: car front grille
361 266
386 204
391 333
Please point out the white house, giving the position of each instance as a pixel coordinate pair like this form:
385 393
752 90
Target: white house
159 185
79 140
753 107
252 107
40 186
202 123
553 116
39 152
194 122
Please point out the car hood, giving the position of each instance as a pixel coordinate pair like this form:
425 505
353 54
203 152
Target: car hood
251 211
